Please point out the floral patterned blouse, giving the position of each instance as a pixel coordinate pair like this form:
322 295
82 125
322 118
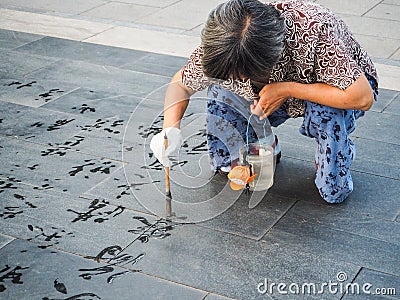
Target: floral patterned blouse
319 47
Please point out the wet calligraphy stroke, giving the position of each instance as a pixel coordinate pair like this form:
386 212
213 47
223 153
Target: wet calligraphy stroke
11 274
100 211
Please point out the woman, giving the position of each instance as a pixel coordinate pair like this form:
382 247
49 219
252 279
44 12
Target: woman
279 60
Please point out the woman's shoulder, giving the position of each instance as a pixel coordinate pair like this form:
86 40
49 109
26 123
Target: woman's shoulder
305 13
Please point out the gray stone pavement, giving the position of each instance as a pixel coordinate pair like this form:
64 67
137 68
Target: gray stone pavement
76 171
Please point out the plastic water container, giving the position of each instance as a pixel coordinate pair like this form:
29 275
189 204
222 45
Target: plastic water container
260 157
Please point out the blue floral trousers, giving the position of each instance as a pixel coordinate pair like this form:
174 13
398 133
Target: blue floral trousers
227 129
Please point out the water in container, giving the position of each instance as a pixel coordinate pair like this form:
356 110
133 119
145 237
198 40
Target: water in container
260 157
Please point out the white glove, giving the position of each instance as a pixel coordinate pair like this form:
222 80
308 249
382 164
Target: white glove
175 140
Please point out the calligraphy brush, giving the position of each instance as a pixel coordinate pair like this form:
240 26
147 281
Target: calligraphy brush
167 184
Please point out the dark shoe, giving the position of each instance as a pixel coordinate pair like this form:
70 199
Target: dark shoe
277 150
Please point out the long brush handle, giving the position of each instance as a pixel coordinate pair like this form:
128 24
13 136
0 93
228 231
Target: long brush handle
167 183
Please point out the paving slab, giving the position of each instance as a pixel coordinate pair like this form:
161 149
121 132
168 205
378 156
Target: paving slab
100 78
385 12
130 190
97 54
19 64
153 3
341 219
212 260
4 240
252 223
372 26
377 285
357 7
393 2
94 104
385 98
39 166
117 190
59 6
13 39
396 55
25 213
171 16
118 11
40 125
147 40
387 46
83 118
119 125
294 179
157 64
369 158
313 237
28 271
50 25
163 60
31 92
393 107
216 297
378 127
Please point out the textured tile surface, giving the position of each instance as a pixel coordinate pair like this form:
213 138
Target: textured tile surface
25 213
70 7
118 11
385 11
212 260
60 48
101 78
12 39
375 285
313 237
4 240
78 181
31 92
47 169
357 7
40 125
18 64
71 276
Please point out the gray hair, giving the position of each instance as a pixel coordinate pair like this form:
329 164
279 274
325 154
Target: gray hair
242 38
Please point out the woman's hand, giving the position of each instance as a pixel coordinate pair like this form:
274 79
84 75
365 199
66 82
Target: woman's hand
358 95
272 97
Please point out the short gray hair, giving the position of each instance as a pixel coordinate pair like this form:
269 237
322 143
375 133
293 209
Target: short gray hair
242 38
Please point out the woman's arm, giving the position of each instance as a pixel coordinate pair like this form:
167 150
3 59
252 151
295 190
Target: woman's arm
176 101
358 95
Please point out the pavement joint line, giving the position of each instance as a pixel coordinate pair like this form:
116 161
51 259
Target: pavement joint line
371 8
352 169
95 7
24 140
394 52
8 242
356 234
205 297
55 248
383 272
280 217
344 294
181 284
95 34
387 105
86 196
395 218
